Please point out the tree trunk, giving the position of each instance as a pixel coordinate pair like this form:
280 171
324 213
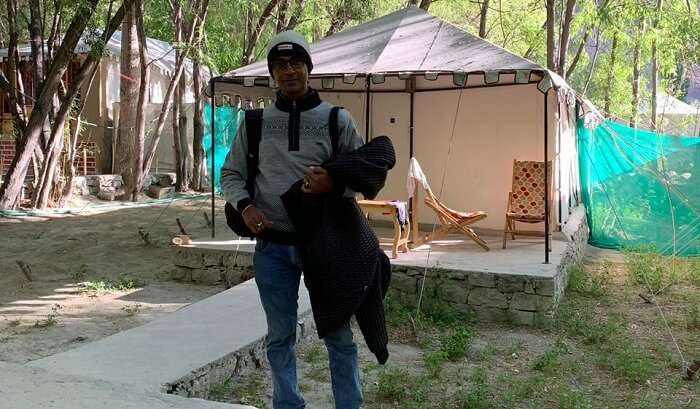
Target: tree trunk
145 80
12 185
185 150
425 4
13 80
551 65
577 57
71 149
128 93
36 35
635 77
49 181
296 14
611 73
283 15
483 18
249 54
564 38
168 100
593 62
177 103
655 70
198 118
197 127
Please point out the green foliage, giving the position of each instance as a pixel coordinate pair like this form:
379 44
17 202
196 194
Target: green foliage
478 395
398 385
547 362
650 269
573 400
131 309
124 282
51 318
591 283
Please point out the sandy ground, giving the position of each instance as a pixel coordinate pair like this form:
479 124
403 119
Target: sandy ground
99 242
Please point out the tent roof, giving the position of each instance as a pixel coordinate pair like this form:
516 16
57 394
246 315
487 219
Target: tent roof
408 40
669 105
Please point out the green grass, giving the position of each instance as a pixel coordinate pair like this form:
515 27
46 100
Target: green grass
51 318
397 385
604 348
250 392
591 283
651 270
547 362
478 395
124 282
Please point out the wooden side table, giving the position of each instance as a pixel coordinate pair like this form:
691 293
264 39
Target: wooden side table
384 207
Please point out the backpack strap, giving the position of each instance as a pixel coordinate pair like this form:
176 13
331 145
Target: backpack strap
253 130
333 129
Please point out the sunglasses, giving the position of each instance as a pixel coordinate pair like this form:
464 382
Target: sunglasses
294 63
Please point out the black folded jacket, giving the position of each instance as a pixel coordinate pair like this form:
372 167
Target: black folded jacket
345 270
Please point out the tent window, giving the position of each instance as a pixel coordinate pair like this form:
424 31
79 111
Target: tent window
349 78
327 83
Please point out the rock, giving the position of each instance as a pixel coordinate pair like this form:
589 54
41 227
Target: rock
165 179
481 280
451 291
80 186
490 314
489 297
510 284
403 283
106 195
159 192
522 317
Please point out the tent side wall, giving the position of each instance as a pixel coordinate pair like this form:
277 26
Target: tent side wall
493 126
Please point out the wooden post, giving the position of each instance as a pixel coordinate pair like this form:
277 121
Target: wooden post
416 240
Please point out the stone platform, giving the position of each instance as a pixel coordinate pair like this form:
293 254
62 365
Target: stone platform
512 284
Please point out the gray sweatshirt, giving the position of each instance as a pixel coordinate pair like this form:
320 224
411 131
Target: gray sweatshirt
294 136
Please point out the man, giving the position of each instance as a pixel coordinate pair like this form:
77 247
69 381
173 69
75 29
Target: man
295 141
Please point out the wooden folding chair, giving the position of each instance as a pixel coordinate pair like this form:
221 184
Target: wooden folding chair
450 220
526 198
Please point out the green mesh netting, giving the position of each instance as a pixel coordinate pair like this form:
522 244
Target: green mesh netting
227 120
640 188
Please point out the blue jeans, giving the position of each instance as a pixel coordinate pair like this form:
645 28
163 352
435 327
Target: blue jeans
277 274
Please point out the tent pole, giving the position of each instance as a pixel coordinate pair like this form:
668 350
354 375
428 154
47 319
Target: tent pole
546 185
213 166
367 108
410 129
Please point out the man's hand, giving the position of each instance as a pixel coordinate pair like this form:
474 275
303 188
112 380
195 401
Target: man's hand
256 220
317 180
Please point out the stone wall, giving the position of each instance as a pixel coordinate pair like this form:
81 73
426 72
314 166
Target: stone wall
212 266
518 299
239 363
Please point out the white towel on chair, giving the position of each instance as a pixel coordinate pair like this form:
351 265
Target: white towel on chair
415 173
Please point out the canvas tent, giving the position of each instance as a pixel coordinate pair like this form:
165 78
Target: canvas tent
465 108
675 117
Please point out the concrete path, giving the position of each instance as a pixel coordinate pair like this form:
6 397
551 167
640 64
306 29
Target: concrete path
133 368
26 387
